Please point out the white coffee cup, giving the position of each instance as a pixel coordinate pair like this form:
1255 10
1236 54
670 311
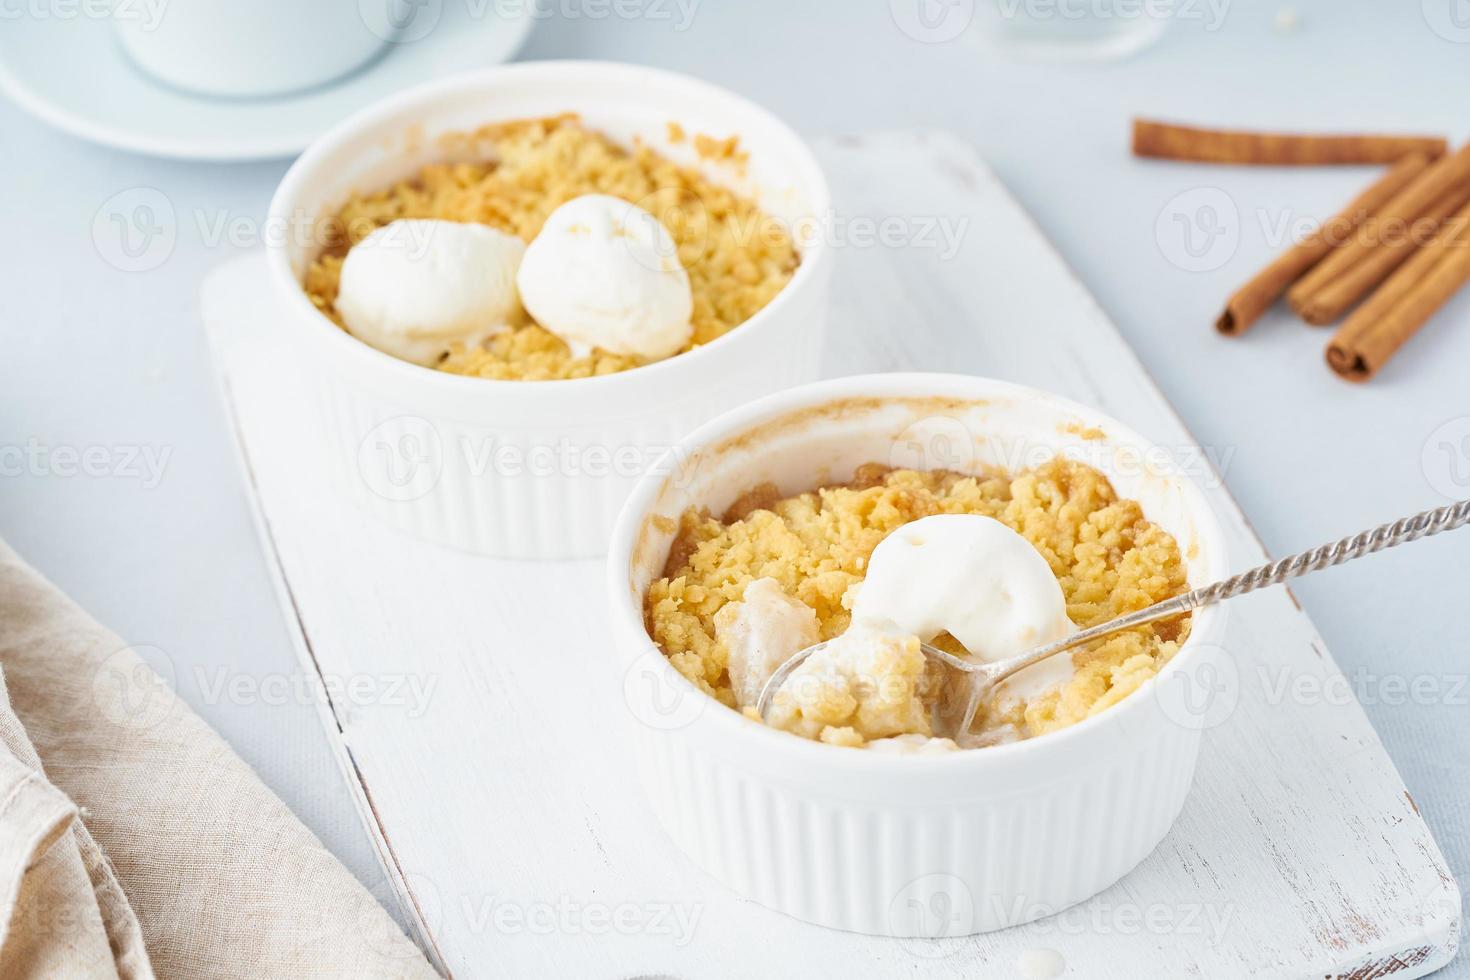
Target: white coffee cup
253 47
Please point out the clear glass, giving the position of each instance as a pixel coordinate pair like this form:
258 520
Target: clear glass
1072 30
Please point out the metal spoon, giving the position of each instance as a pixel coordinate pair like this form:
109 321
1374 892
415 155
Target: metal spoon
956 716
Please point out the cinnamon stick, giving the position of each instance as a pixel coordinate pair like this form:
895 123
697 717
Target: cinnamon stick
1169 141
1256 296
1334 298
1404 303
1382 243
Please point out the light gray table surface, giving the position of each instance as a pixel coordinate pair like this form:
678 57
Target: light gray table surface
94 356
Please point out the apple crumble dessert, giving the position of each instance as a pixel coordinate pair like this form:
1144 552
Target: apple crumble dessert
1011 561
553 253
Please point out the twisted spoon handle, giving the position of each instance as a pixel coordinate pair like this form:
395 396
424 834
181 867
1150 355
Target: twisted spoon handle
983 676
1399 532
1354 546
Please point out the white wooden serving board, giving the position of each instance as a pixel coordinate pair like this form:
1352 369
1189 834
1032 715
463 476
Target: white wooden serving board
509 819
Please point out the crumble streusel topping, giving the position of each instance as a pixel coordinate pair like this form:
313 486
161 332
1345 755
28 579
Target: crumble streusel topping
1108 558
737 257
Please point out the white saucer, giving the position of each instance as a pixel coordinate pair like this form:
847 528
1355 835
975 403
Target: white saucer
73 74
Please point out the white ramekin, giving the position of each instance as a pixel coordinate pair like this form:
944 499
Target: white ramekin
538 469
891 845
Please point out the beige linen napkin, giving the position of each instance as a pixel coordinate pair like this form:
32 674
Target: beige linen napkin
182 863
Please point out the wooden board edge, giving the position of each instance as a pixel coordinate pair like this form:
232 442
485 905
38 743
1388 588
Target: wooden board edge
409 906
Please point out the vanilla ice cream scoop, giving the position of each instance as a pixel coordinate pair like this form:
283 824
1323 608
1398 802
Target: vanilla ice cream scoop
605 273
962 574
969 576
414 287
